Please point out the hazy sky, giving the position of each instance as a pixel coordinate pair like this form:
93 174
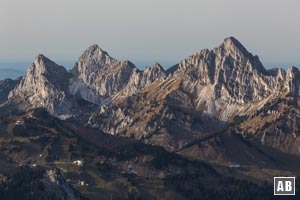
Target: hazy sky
148 31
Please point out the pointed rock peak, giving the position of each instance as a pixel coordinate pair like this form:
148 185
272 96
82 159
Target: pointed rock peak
44 67
94 46
158 66
42 63
233 44
232 40
42 60
95 50
94 56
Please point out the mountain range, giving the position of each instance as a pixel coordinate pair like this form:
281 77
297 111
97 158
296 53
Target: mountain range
218 113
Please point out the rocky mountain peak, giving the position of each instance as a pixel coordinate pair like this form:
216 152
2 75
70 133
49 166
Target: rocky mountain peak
97 75
92 59
39 59
234 52
44 86
230 56
153 73
232 43
43 67
227 74
42 63
95 51
94 47
157 66
98 54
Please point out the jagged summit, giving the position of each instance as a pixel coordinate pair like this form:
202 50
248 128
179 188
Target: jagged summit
237 50
96 56
158 66
41 61
197 99
44 67
95 49
40 57
93 58
229 55
154 72
44 86
97 75
233 43
228 73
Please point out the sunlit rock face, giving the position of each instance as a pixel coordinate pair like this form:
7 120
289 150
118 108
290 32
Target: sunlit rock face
208 88
44 86
98 76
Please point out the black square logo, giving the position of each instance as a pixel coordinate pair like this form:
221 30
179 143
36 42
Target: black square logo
284 185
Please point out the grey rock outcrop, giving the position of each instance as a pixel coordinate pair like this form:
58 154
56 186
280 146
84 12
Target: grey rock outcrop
224 79
97 76
192 99
215 84
44 86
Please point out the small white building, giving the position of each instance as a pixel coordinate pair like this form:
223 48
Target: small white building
82 183
78 163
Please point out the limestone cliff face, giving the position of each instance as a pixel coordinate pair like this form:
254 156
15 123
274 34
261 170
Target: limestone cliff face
229 68
97 76
223 76
215 84
195 97
224 80
44 86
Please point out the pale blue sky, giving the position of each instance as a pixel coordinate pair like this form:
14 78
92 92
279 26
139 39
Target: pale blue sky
148 31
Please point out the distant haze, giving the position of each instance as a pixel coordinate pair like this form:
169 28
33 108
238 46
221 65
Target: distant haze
148 31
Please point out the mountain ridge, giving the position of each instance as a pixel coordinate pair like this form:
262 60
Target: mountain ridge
216 84
106 129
